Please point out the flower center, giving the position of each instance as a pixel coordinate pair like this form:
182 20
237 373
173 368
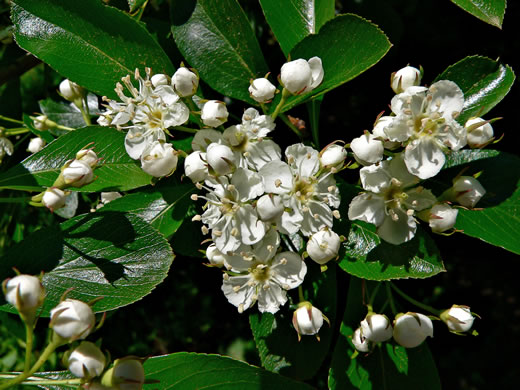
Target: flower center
260 272
303 189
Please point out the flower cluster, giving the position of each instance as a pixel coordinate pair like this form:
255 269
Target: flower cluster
418 134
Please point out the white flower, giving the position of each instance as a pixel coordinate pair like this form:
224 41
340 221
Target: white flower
86 361
259 274
301 76
159 79
262 90
391 201
379 131
220 158
72 319
333 156
196 167
442 218
159 159
467 191
376 328
185 82
411 329
425 118
77 173
25 292
458 318
6 147
127 374
361 343
307 320
71 91
404 78
214 113
479 132
367 149
323 246
54 198
35 145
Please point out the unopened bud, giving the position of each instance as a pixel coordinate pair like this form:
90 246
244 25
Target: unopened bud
86 361
376 327
220 158
54 198
458 318
411 329
323 246
307 320
72 319
185 82
214 113
71 91
25 292
333 156
404 78
35 145
262 90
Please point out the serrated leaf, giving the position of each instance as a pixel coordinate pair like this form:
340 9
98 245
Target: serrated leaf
489 11
86 41
298 19
187 371
484 82
366 256
112 255
348 45
277 341
117 172
217 40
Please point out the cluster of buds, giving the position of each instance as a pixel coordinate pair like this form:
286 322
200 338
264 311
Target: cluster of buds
419 132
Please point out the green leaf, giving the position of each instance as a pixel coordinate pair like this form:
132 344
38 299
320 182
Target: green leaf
164 207
44 134
386 366
134 5
489 11
117 171
277 341
347 45
484 82
187 371
366 256
217 40
298 19
112 255
86 41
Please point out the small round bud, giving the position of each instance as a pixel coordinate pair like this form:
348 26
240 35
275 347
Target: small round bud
215 256
323 246
71 91
86 361
77 173
40 122
269 207
159 159
35 145
214 113
159 79
411 329
107 197
54 198
301 76
367 149
185 82
195 166
404 78
127 374
72 319
458 318
262 90
478 135
87 156
307 320
220 158
333 156
376 327
25 292
468 191
361 343
443 217
379 131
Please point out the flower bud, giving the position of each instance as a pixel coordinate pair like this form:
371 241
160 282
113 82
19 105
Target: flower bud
86 361
458 318
478 135
6 146
323 246
214 113
333 156
72 319
376 327
269 207
77 173
35 145
361 343
442 218
220 158
215 256
185 83
301 76
54 198
127 374
367 149
41 122
87 156
195 166
468 191
159 79
107 197
411 329
71 91
25 292
404 78
159 159
262 90
307 320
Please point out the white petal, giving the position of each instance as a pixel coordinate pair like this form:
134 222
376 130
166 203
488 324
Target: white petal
136 142
397 231
305 160
420 199
290 270
242 297
367 207
447 98
375 178
260 153
291 219
316 71
204 137
270 299
318 216
251 228
424 158
398 129
248 184
277 176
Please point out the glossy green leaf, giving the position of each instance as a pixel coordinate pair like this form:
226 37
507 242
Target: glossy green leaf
187 371
86 41
484 82
112 255
366 256
117 172
164 207
298 19
348 45
277 341
216 38
489 11
389 364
